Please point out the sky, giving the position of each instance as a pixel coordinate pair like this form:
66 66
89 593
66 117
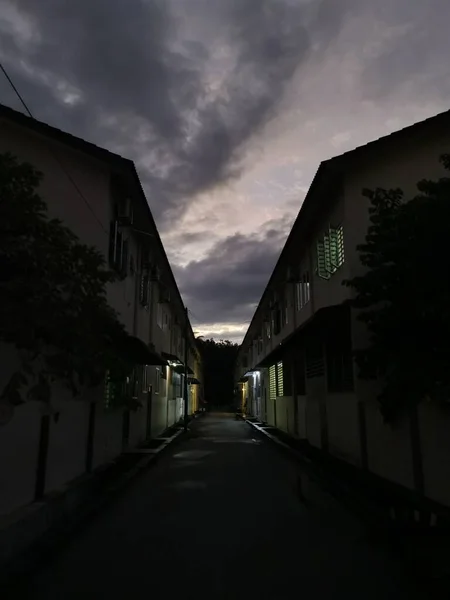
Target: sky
227 108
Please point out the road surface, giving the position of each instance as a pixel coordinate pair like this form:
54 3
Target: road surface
219 517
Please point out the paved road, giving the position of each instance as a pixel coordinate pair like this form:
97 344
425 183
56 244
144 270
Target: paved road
219 517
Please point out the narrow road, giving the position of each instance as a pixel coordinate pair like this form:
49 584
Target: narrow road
219 517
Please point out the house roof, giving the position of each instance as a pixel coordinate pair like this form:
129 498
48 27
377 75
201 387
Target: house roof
331 168
61 136
124 164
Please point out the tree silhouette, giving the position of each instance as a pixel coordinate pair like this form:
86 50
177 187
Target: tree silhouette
404 296
218 370
53 306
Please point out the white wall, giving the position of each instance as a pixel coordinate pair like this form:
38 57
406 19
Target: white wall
67 441
343 427
108 435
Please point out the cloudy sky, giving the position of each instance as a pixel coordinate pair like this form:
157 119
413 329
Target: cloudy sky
227 107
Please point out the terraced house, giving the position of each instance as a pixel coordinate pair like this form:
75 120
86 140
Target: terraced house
98 195
295 367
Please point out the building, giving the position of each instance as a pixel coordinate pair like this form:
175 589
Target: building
98 195
295 368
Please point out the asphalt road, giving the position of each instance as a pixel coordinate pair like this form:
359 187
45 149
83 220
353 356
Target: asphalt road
219 517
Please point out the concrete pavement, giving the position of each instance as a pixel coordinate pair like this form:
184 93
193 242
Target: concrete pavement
219 517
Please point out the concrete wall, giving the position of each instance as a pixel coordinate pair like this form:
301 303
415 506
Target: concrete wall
67 443
285 414
343 427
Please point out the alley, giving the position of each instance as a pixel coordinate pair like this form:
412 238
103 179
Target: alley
219 517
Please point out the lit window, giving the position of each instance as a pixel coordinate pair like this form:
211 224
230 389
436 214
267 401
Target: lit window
330 252
272 382
280 386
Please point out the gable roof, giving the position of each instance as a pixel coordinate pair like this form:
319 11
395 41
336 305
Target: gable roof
332 168
99 153
59 135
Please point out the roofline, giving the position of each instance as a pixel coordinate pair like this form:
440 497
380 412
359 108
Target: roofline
336 164
301 212
98 152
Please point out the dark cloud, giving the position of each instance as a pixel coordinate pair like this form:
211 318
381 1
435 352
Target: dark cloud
137 82
416 52
226 285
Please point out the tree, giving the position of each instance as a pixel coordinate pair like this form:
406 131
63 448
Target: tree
53 305
218 360
404 296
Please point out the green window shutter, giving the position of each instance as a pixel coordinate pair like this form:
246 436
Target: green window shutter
333 236
272 383
340 245
327 252
280 390
321 262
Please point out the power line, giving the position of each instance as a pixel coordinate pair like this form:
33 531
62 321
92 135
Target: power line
15 90
55 156
195 316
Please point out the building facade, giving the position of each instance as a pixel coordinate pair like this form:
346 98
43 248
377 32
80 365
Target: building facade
98 195
295 368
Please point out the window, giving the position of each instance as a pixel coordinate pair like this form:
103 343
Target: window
276 383
280 387
159 315
115 391
330 252
260 345
144 379
315 364
144 293
176 383
302 291
157 380
339 362
268 329
118 249
277 318
272 383
287 378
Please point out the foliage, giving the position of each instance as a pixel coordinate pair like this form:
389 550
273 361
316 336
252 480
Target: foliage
404 295
52 295
218 360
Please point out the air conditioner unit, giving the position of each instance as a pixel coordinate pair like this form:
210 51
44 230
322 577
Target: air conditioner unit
125 216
